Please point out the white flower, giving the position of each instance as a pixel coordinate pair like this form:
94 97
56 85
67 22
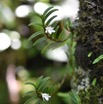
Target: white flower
49 30
46 96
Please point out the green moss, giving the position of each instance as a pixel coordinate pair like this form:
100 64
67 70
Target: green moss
93 96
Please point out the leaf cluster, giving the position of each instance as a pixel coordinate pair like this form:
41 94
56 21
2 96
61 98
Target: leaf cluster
42 85
71 97
56 39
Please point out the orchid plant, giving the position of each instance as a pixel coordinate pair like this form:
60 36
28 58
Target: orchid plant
56 34
59 33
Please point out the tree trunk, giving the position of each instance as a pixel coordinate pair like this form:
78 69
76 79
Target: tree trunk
90 34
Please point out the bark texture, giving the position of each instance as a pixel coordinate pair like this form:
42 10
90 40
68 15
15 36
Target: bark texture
90 39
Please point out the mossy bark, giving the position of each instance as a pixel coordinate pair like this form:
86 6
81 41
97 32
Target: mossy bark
90 33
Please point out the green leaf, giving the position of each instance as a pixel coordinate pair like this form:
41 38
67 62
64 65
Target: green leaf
35 24
30 83
30 93
55 88
94 82
63 94
61 34
48 22
52 89
55 24
57 45
33 13
45 12
36 34
46 47
55 34
43 87
75 97
39 80
89 54
49 13
69 22
66 97
43 83
98 59
29 100
39 40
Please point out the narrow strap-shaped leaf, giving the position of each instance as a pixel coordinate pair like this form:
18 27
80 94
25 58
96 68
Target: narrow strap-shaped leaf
34 24
76 97
36 34
39 40
38 80
46 47
62 94
38 101
56 45
47 23
29 93
52 89
61 34
54 35
55 24
45 80
69 22
43 84
61 44
45 12
33 13
55 88
94 82
30 83
49 13
32 98
98 59
73 98
42 87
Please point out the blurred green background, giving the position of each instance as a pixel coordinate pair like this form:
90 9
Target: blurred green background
19 60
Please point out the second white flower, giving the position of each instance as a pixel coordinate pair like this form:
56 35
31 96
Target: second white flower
49 30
